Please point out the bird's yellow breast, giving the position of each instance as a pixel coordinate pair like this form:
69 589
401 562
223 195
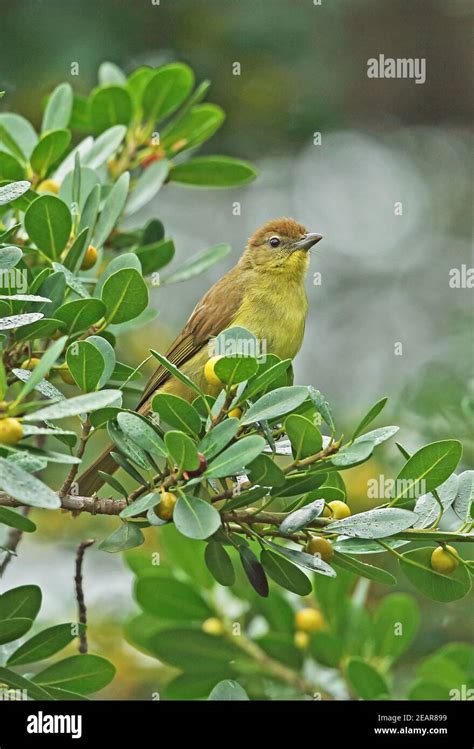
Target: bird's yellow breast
274 310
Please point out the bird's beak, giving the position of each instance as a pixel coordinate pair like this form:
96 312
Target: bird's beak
308 241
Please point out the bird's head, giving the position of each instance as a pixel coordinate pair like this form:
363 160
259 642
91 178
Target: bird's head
281 245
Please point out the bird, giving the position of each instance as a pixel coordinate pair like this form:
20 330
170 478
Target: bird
264 293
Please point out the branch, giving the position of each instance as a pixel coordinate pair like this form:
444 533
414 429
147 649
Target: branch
81 604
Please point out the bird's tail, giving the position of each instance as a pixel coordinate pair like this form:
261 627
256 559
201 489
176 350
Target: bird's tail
90 481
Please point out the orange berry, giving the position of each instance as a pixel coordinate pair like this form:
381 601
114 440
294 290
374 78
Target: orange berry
339 509
30 363
321 547
90 258
309 620
209 373
11 431
164 510
443 561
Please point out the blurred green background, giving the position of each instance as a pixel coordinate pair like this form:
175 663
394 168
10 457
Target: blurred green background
384 319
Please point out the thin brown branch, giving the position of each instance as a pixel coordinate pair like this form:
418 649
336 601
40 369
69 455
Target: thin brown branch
14 538
74 468
81 603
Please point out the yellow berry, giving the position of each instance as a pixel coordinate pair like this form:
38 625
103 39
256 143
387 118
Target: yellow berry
30 363
11 431
213 626
90 258
165 508
309 620
65 374
339 509
442 561
321 547
209 374
301 640
235 412
48 185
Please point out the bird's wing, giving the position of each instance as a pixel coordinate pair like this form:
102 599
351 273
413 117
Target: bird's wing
212 314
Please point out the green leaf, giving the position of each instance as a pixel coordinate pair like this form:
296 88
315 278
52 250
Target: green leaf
197 264
301 518
326 648
195 518
112 210
185 554
435 585
234 369
80 314
166 90
125 295
47 361
377 436
147 502
147 186
426 470
139 430
127 536
228 690
168 598
396 622
86 365
218 437
177 412
353 454
254 571
322 406
109 105
79 673
363 569
304 436
46 643
370 416
15 681
22 131
125 260
48 223
309 561
108 353
16 520
275 404
13 191
299 483
365 680
58 109
213 171
219 563
27 488
182 451
192 651
13 628
464 495
105 146
109 73
48 150
196 126
265 472
76 406
9 257
155 256
77 185
176 372
129 449
265 378
10 168
18 321
378 523
285 573
86 224
236 457
428 508
21 602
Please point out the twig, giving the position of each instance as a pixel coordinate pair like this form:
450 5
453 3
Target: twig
81 604
74 468
14 538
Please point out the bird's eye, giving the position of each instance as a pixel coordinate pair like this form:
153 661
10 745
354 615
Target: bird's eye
274 241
